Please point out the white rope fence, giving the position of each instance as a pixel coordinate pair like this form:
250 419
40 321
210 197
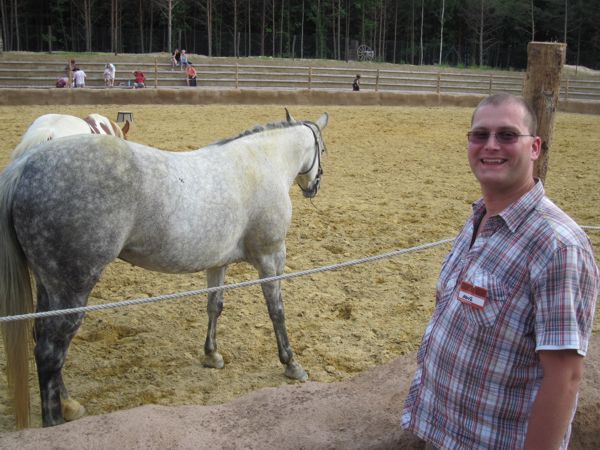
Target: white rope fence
178 295
287 276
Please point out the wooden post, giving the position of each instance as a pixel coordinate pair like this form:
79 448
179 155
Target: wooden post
155 73
439 82
49 38
70 74
309 76
377 81
237 76
541 89
491 83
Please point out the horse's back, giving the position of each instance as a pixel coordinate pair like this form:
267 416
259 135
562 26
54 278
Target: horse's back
48 127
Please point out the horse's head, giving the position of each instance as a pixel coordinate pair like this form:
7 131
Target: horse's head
309 178
120 132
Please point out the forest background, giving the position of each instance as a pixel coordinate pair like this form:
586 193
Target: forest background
463 33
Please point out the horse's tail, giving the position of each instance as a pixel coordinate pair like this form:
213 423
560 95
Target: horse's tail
15 298
31 140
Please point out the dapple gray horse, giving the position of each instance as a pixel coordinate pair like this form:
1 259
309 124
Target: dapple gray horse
65 214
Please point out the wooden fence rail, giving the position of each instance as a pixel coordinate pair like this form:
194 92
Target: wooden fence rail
24 74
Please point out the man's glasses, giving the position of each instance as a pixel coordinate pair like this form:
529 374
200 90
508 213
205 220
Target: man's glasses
502 137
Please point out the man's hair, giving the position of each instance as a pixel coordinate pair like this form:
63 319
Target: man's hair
499 99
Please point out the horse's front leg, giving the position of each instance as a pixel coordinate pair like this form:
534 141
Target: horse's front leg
270 266
212 358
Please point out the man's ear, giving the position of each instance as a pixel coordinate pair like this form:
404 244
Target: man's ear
536 148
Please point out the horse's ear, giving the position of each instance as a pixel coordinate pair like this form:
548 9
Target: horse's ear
322 121
125 129
288 116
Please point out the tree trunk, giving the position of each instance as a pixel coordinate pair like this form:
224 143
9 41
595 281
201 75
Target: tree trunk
273 29
566 14
141 16
532 23
281 31
347 45
481 34
541 88
249 28
442 32
382 53
87 24
318 43
235 44
362 25
333 29
395 29
421 42
5 34
16 16
113 47
339 28
412 34
262 30
302 33
379 29
209 25
170 25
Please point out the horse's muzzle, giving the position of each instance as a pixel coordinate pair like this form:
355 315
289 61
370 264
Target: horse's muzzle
312 192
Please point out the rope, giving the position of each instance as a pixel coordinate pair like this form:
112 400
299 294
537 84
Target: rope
177 295
140 301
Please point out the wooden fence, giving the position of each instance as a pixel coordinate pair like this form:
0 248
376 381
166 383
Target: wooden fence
23 74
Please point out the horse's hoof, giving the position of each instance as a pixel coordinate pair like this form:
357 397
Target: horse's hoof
214 360
295 372
71 409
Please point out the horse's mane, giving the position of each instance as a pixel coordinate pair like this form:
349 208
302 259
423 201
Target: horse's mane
259 129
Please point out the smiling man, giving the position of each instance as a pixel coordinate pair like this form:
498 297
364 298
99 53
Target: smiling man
502 356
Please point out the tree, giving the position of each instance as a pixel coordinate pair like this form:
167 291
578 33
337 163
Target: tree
166 6
421 34
442 31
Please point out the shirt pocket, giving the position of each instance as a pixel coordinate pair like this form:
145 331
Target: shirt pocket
495 301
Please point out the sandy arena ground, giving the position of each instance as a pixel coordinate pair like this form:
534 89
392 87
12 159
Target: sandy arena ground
395 177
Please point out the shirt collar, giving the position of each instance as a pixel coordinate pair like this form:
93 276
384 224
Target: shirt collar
517 212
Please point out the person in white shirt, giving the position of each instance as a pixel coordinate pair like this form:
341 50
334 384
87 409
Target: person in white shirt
79 78
109 75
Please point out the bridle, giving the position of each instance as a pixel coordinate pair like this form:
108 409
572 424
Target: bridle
316 160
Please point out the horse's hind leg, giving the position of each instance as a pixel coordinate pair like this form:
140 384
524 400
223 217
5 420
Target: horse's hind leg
212 358
269 266
52 338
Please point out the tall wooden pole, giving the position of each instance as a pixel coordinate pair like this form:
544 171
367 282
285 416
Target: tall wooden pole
541 89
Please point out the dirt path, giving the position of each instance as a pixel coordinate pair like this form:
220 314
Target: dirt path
395 177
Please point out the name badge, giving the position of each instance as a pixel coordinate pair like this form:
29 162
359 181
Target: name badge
472 295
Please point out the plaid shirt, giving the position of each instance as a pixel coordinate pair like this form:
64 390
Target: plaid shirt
478 371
